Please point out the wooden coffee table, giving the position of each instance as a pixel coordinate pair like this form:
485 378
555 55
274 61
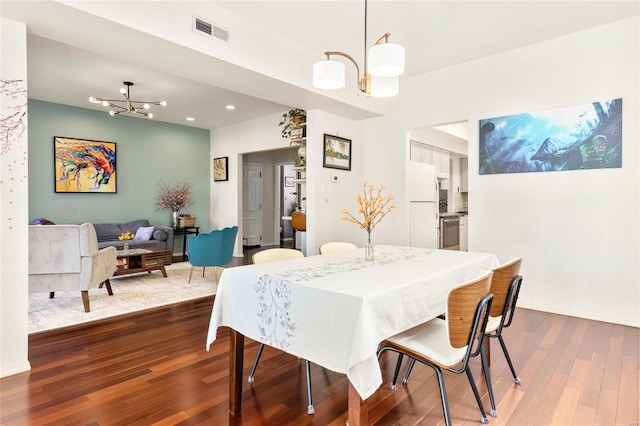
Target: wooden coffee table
133 261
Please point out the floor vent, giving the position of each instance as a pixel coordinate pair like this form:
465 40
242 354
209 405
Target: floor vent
205 28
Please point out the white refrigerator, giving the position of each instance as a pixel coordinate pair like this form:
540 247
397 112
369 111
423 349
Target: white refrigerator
423 205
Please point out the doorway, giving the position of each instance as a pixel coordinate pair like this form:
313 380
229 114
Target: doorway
251 204
268 198
286 202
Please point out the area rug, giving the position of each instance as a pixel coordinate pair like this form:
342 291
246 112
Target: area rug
131 293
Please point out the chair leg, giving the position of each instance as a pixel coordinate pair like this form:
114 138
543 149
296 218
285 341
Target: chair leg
85 300
107 284
397 371
203 268
487 378
443 394
255 363
307 366
409 369
506 355
474 388
190 273
51 294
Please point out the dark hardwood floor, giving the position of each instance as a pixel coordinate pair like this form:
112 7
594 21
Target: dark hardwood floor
152 368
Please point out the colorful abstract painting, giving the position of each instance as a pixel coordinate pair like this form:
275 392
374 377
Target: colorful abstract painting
587 136
84 165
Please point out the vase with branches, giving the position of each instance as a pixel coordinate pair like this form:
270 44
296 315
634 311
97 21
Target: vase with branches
175 195
373 205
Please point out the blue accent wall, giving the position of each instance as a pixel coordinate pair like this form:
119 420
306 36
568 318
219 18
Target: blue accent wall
147 153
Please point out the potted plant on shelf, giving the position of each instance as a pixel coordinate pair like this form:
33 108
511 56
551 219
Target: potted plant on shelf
290 120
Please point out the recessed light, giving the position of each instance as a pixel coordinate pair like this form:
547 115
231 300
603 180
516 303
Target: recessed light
191 119
230 107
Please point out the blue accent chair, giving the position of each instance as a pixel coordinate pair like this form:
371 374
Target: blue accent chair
212 249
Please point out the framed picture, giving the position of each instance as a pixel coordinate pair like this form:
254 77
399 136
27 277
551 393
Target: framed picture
82 165
587 136
289 181
336 153
220 169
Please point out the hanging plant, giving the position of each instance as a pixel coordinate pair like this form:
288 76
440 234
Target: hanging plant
290 120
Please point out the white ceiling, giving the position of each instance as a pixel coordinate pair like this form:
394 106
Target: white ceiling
436 34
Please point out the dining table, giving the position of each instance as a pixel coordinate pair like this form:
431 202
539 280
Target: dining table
335 309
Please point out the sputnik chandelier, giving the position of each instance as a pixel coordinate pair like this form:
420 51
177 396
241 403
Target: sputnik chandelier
127 105
382 68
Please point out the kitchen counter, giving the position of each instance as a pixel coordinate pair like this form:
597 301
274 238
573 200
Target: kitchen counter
452 214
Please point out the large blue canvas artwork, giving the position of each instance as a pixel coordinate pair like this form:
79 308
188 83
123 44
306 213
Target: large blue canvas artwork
585 136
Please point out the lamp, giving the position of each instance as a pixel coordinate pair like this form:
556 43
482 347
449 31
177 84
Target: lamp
382 67
130 106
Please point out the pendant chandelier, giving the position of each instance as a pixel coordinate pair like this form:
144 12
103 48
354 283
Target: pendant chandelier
383 66
127 105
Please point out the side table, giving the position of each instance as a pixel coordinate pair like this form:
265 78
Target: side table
185 231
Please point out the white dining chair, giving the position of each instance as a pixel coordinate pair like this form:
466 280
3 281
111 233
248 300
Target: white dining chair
275 255
335 246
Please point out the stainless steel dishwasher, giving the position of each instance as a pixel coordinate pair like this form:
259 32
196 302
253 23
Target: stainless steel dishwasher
450 232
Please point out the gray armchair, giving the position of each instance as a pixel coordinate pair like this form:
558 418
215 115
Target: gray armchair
67 258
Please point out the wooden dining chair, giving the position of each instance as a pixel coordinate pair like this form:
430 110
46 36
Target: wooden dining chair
448 344
275 255
505 287
334 246
298 223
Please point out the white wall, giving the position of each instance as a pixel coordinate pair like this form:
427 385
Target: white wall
14 253
232 141
325 199
577 231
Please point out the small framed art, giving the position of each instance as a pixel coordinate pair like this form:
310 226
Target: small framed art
336 152
289 181
220 169
82 165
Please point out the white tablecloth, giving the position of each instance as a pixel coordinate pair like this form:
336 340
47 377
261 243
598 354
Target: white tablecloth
335 309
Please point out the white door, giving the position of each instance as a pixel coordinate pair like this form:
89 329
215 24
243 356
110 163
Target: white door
252 204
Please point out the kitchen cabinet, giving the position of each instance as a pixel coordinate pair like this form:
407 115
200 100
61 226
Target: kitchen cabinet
464 175
464 234
441 161
423 153
415 153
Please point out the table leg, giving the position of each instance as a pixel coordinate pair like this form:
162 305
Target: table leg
184 246
236 358
358 409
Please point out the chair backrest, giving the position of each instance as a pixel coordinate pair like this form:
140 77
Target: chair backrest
501 281
299 221
60 248
214 248
275 255
468 311
335 246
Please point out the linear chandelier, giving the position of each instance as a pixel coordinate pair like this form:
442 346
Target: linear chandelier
382 68
128 104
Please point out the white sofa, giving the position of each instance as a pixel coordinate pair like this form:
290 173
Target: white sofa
67 258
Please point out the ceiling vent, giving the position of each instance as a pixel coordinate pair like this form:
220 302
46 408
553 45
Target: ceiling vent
207 29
